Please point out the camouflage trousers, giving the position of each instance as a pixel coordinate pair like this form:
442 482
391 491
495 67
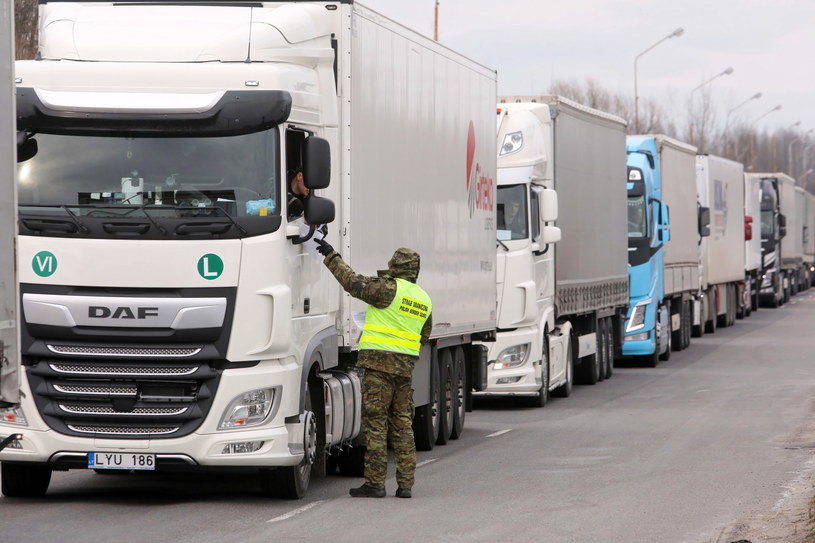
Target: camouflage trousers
387 413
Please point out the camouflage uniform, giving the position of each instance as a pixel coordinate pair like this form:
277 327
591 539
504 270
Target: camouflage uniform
387 391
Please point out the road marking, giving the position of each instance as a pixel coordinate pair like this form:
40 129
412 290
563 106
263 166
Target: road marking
426 462
296 512
502 432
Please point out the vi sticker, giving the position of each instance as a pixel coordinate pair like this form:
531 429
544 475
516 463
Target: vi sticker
44 264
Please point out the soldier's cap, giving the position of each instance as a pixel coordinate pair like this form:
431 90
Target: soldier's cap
404 262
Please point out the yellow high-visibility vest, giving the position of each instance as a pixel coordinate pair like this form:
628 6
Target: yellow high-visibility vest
398 327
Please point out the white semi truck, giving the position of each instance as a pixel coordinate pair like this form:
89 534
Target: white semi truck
752 237
723 251
174 310
558 309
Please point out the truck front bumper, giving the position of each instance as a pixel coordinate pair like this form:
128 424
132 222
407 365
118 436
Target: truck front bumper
639 347
517 380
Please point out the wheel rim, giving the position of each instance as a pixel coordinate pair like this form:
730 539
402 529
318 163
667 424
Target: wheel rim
448 395
460 388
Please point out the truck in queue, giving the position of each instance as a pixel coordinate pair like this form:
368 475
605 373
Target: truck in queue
559 313
174 310
665 223
752 238
723 288
774 290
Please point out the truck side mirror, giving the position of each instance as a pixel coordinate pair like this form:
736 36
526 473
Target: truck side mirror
316 163
665 231
550 234
704 222
548 206
318 210
748 228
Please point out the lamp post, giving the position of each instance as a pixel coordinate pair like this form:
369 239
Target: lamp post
790 161
756 96
675 34
727 71
436 23
753 136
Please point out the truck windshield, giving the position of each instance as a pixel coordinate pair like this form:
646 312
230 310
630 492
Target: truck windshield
108 175
512 213
637 223
767 224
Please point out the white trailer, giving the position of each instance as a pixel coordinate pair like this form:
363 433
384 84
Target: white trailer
723 253
558 163
175 310
9 345
792 246
809 241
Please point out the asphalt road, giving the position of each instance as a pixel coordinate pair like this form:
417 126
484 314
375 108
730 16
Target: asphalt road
678 453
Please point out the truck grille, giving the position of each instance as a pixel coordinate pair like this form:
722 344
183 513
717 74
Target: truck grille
136 399
148 352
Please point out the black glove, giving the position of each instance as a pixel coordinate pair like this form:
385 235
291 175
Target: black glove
323 247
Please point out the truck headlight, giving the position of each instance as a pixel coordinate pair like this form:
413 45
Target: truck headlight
13 415
512 357
512 143
637 319
249 409
638 337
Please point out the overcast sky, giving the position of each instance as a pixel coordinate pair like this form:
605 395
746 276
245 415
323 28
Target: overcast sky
770 44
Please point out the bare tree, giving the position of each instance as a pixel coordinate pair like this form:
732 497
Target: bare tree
25 28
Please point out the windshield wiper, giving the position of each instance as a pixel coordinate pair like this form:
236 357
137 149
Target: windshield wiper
502 244
79 224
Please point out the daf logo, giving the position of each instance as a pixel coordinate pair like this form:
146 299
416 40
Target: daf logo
102 312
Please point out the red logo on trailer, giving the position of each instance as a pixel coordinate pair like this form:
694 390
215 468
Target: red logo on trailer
480 187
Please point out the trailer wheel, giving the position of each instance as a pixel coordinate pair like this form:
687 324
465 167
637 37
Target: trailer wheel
447 389
459 392
713 308
602 351
24 480
610 350
427 418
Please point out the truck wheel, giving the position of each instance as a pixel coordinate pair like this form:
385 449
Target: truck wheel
291 482
754 301
24 480
543 394
447 386
602 351
459 392
610 350
667 354
713 305
565 390
698 330
427 418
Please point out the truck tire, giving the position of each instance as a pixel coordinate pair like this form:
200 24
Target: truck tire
565 390
427 418
712 317
291 482
602 349
24 480
447 386
667 354
543 394
459 392
610 350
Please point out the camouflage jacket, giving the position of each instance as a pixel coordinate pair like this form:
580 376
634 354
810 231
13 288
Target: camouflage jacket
378 292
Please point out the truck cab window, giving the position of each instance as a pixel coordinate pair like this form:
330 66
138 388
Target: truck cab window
175 175
637 217
767 224
512 213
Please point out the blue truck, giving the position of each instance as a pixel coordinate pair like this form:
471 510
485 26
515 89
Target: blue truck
665 223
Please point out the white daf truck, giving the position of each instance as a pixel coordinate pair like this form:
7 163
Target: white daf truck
560 312
174 309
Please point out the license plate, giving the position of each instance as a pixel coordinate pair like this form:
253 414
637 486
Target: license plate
104 460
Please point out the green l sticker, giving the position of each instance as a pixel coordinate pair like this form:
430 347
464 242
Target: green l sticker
44 264
210 266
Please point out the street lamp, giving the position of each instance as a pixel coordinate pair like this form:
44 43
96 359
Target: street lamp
436 23
727 71
756 96
753 135
675 34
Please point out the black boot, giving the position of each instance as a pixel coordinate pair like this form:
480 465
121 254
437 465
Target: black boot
403 492
366 491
